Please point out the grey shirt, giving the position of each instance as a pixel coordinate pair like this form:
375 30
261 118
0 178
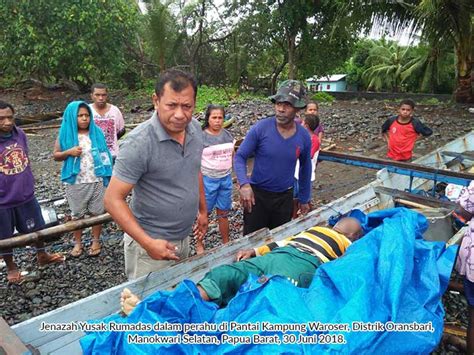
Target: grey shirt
165 197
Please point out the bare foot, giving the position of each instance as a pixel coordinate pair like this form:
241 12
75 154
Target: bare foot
128 301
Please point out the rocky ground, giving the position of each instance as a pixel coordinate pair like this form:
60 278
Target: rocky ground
351 126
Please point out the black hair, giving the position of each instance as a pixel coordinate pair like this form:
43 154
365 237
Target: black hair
312 121
84 105
98 86
312 102
209 109
4 105
408 102
178 79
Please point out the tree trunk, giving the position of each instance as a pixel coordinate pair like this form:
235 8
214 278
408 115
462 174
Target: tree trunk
275 75
464 92
291 57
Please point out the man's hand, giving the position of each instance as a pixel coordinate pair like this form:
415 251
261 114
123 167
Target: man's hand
247 198
245 254
304 208
160 249
75 151
200 227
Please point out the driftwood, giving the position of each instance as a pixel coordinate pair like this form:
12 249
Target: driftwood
39 128
49 233
41 117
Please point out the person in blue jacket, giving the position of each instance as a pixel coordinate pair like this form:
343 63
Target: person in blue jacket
277 143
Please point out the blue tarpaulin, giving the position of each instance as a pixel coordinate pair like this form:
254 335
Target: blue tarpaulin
391 276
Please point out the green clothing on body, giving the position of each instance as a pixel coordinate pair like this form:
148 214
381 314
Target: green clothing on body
222 283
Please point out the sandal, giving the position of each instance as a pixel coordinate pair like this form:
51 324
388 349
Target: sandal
15 277
76 252
94 251
52 259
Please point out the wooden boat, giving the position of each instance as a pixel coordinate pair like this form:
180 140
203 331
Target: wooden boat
382 193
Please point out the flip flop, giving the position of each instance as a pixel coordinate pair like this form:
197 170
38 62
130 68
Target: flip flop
94 251
53 259
75 253
17 279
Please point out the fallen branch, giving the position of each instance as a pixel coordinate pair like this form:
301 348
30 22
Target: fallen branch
39 128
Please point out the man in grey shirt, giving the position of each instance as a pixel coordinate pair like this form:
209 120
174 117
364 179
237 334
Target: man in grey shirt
160 160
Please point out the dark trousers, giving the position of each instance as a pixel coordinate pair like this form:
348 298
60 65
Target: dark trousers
271 209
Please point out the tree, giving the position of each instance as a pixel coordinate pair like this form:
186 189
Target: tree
452 21
430 69
162 32
445 21
55 40
388 62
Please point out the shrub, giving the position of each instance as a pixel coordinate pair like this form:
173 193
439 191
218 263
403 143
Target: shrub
322 96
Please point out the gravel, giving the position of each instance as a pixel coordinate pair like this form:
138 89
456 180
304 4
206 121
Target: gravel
353 126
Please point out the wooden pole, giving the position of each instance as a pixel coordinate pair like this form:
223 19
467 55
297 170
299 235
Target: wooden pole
49 233
39 128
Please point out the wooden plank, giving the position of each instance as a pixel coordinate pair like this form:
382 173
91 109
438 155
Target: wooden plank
454 330
67 344
463 155
425 200
456 239
9 342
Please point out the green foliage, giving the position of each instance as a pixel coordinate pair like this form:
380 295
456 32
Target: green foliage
386 66
322 96
83 41
220 96
430 101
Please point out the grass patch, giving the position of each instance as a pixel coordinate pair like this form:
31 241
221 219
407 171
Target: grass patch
322 96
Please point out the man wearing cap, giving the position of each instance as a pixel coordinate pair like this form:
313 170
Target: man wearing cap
277 143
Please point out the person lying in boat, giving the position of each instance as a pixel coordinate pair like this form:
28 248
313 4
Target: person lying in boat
295 258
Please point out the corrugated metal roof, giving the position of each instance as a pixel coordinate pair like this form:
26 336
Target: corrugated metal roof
334 77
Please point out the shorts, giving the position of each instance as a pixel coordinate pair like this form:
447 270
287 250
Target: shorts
218 192
86 199
138 263
25 218
469 291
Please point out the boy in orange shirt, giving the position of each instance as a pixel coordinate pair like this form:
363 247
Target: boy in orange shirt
402 131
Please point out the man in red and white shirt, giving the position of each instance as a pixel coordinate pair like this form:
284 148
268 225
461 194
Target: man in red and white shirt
402 131
108 117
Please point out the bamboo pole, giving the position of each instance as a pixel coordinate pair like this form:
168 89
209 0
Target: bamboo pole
49 233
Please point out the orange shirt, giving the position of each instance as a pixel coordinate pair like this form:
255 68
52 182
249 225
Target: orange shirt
401 140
